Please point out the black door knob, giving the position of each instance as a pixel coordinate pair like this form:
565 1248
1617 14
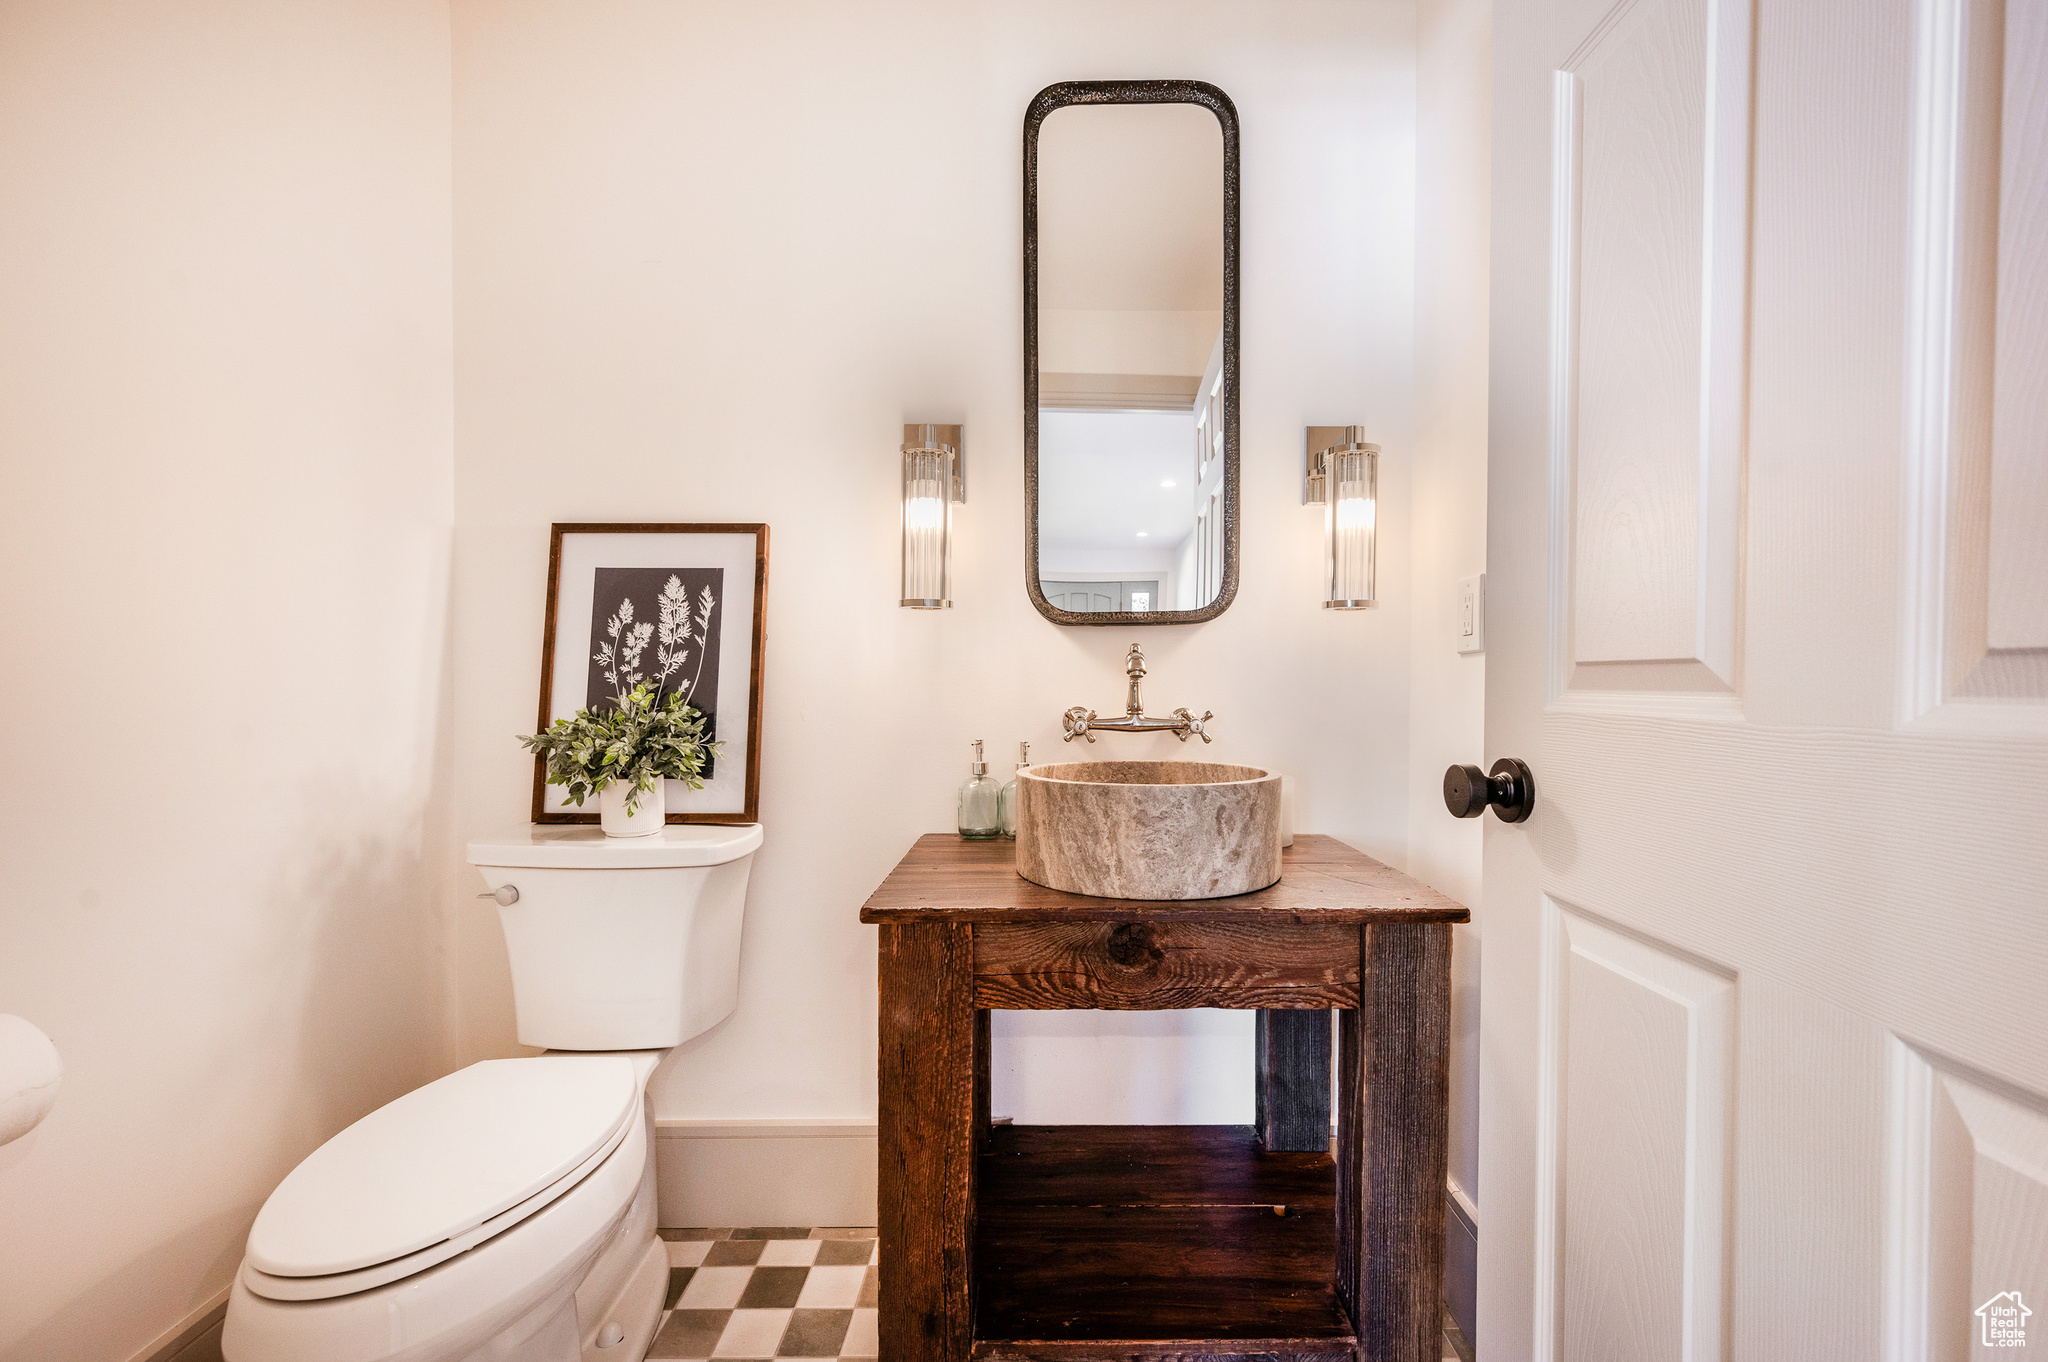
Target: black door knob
1510 789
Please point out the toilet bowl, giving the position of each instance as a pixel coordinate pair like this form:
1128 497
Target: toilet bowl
507 1211
459 1221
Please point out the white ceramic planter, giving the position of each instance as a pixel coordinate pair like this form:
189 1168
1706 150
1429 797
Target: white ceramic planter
647 817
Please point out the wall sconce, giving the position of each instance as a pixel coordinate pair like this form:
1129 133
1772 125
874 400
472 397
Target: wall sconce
934 478
1342 474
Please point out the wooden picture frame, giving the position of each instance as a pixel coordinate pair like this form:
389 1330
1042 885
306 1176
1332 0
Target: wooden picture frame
701 571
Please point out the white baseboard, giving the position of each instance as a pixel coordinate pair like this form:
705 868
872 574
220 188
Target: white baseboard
796 1172
766 1172
1461 1258
196 1338
1463 1204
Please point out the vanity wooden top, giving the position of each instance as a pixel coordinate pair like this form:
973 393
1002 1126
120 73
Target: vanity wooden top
948 879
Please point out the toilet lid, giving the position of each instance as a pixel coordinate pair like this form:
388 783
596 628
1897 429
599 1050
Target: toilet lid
555 846
442 1160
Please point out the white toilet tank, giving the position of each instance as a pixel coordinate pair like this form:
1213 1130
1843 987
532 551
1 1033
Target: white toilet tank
620 943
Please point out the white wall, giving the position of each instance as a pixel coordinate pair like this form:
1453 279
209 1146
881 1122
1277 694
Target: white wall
1448 689
710 258
225 467
689 288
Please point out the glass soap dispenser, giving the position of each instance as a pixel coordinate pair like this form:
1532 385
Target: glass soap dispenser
980 818
1006 805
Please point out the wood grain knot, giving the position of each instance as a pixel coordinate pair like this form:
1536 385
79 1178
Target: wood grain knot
1132 945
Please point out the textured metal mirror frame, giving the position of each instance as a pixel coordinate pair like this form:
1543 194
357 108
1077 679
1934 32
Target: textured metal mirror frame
1131 92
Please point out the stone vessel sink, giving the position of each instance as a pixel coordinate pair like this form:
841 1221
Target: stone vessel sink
1148 829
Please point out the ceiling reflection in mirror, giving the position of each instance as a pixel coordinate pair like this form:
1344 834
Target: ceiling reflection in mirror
1133 507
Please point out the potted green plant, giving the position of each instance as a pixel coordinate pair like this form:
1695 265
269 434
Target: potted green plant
622 753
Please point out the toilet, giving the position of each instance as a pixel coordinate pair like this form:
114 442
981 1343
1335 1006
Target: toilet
506 1212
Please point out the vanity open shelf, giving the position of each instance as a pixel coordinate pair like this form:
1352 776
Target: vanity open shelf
1036 1243
1135 1235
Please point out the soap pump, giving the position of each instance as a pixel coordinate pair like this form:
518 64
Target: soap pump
1006 805
980 796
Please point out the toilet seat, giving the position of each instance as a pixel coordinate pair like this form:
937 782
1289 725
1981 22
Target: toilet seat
348 1283
439 1171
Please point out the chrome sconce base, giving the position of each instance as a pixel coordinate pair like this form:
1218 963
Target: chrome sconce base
1321 440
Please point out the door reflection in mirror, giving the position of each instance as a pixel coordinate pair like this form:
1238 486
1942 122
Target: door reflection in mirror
1117 511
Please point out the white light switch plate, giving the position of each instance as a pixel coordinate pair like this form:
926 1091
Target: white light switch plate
1472 614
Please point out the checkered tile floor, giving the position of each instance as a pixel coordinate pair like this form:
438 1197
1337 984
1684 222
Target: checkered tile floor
775 1293
759 1294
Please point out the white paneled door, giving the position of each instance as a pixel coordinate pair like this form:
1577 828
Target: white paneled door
1765 988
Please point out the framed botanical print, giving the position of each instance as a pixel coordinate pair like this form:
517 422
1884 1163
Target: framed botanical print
682 608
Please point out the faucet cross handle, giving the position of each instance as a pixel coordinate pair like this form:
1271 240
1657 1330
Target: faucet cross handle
1191 727
1075 721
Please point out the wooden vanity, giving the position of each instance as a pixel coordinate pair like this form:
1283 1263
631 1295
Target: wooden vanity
1012 1242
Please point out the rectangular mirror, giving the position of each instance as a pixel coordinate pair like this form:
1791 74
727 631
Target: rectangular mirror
1130 352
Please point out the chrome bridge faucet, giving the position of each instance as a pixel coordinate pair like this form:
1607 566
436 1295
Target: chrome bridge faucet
1082 723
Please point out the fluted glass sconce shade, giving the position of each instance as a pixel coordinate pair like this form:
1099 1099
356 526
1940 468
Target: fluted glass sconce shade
932 482
1345 479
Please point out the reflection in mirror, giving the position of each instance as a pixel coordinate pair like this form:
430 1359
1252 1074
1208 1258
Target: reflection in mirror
1133 499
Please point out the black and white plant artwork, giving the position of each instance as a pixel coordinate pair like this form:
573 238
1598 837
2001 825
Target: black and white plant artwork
676 612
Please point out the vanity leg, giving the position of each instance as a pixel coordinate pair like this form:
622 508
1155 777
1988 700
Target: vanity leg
1291 1090
928 1111
1393 1100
